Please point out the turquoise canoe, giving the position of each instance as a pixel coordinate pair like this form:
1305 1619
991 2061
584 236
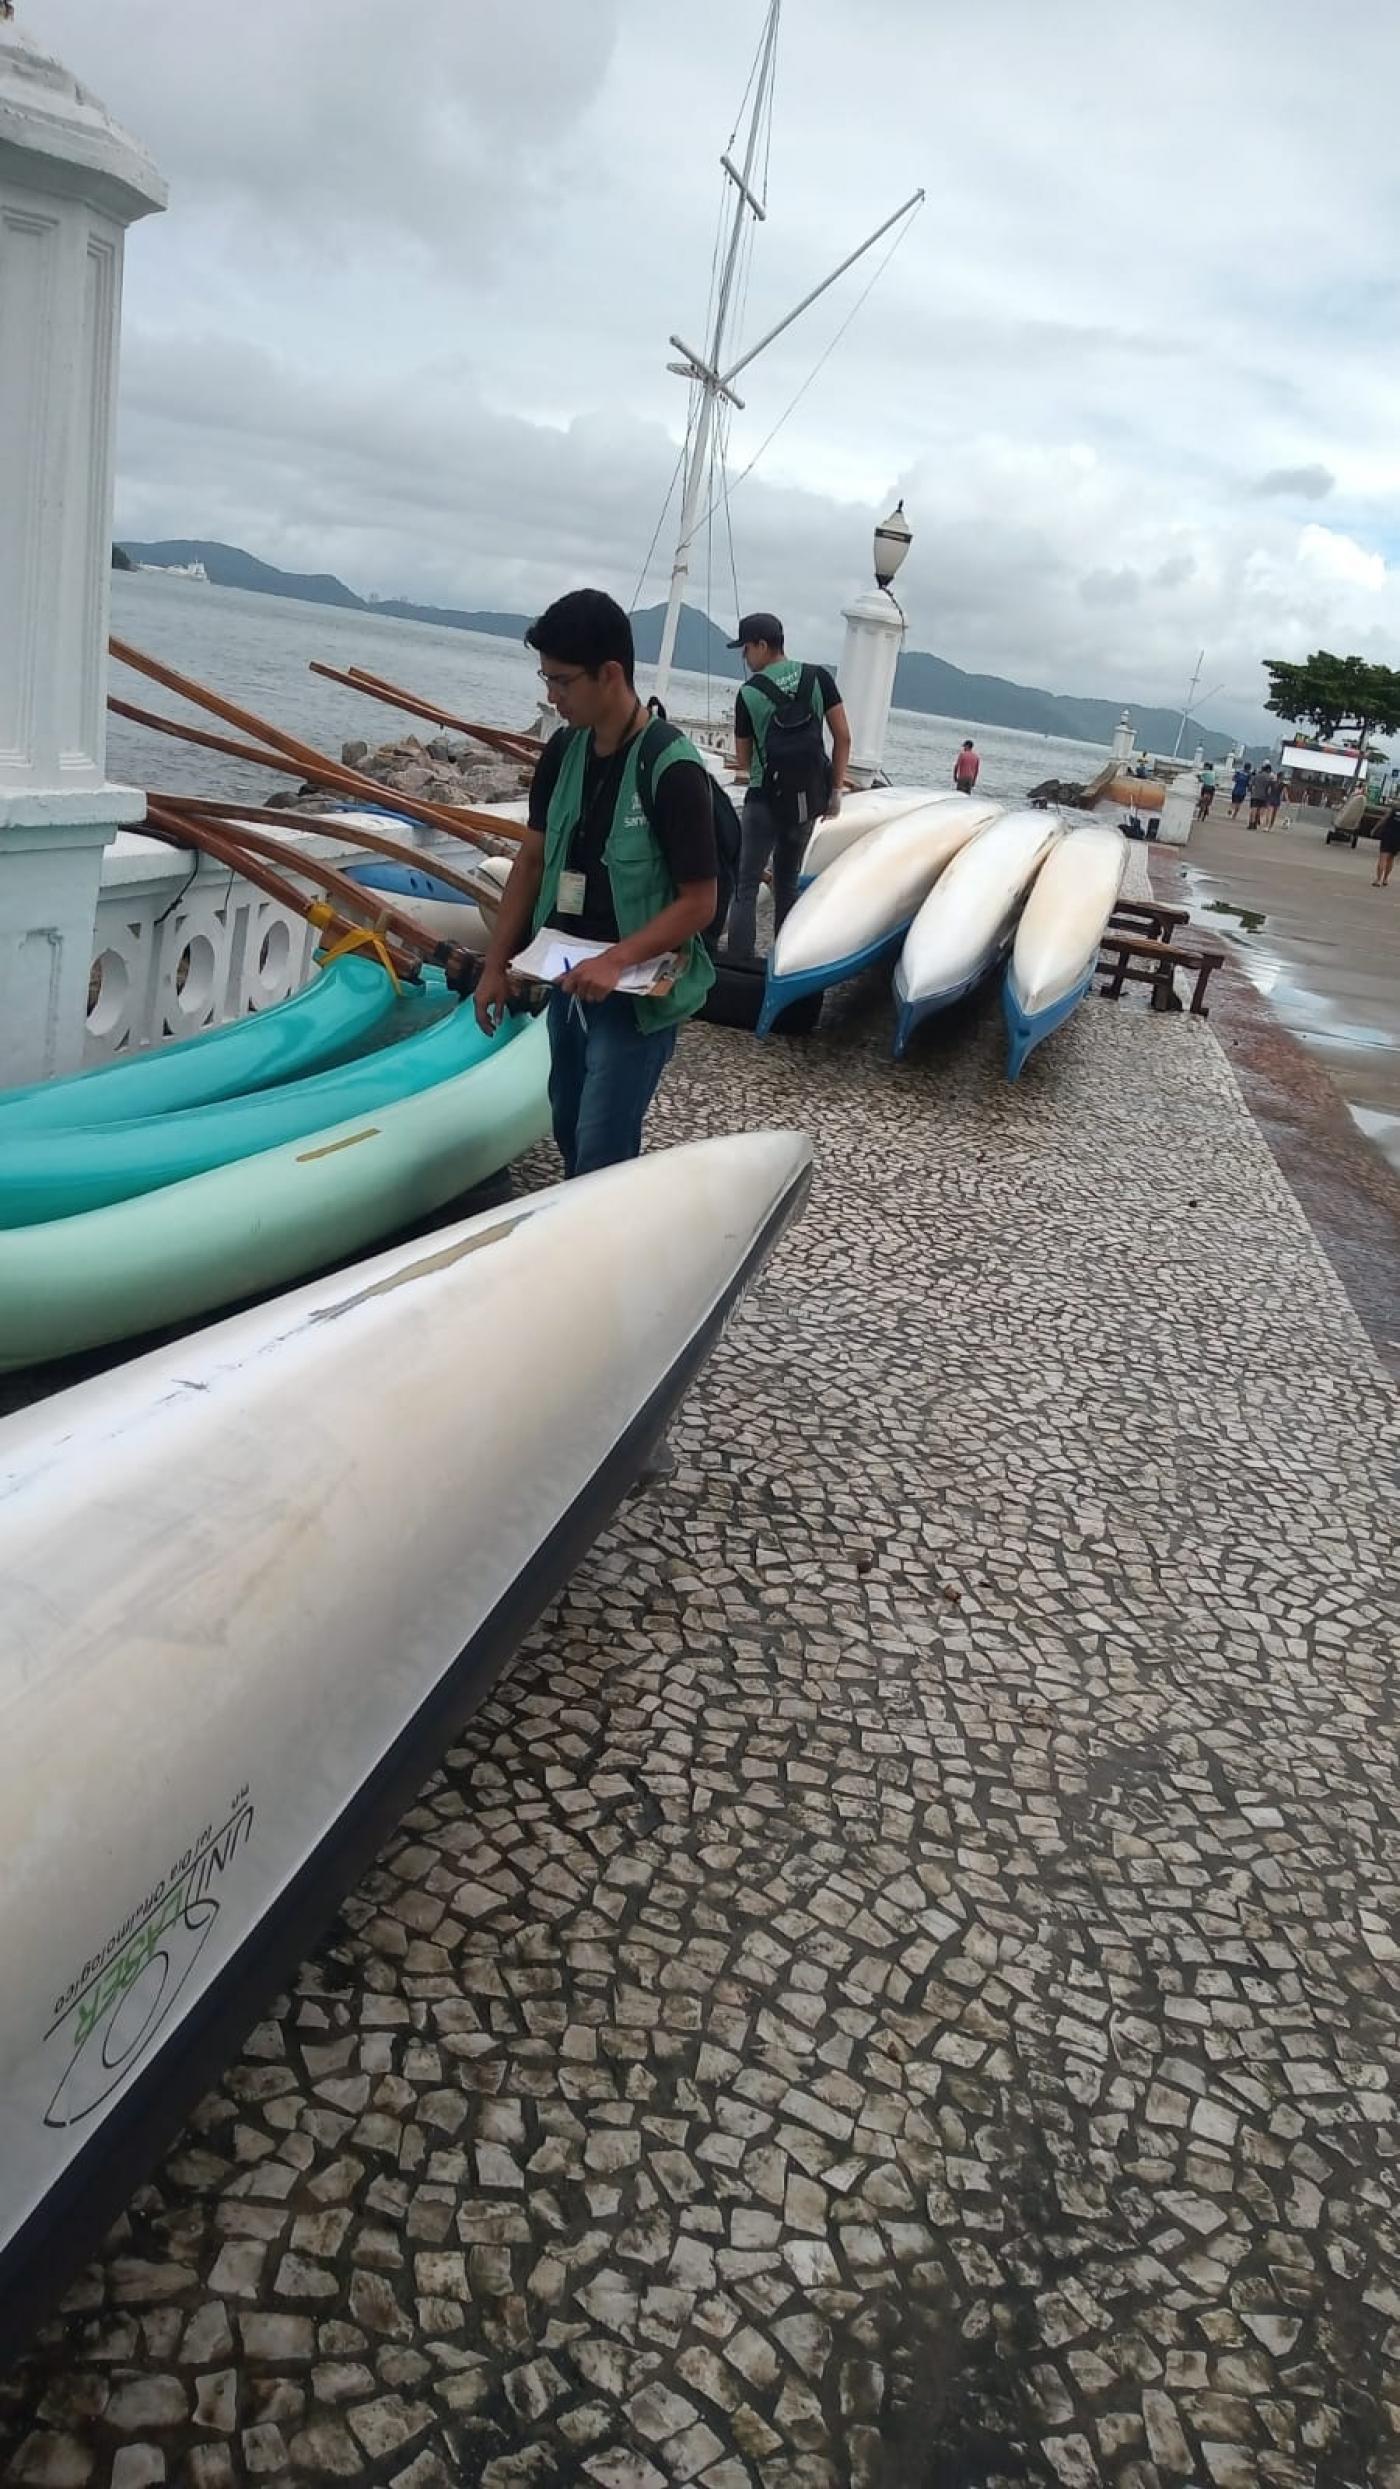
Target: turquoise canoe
170 1256
60 1175
338 1008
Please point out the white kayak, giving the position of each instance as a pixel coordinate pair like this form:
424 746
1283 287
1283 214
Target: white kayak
861 906
1057 940
255 1581
866 810
966 922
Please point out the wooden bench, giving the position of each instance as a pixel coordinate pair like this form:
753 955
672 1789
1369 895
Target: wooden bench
1134 959
1154 919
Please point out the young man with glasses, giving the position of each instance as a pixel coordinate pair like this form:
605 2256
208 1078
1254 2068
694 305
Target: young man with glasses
611 860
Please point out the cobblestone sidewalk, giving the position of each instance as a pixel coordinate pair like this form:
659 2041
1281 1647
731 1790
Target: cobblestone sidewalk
900 1984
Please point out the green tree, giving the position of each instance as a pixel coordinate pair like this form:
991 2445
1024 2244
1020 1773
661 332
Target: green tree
1332 693
121 560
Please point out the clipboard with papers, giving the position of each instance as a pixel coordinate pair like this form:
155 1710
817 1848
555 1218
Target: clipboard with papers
552 954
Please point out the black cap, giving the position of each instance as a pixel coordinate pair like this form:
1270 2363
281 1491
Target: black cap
759 627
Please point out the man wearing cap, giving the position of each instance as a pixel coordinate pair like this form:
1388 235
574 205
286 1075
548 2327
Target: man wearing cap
779 686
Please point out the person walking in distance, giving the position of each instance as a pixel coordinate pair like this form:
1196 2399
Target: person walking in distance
1206 794
967 767
1258 796
1239 788
1387 847
620 848
781 755
1276 794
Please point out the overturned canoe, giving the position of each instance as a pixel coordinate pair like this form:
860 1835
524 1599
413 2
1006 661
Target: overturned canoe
138 1265
858 911
328 1016
861 813
253 1585
437 905
966 921
60 1175
1057 940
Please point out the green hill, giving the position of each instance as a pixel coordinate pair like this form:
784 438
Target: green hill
923 682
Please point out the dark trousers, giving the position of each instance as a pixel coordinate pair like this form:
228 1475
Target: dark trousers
603 1072
763 839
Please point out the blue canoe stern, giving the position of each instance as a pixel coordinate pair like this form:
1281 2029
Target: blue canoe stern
1025 1029
778 992
909 1014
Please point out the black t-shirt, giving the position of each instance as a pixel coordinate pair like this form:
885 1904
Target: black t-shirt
826 685
684 828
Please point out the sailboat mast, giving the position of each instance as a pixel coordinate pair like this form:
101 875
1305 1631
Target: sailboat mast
706 369
1186 711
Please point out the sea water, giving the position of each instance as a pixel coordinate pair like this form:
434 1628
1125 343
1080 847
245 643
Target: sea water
257 651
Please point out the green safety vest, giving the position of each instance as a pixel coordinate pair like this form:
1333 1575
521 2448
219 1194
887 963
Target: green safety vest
638 873
786 673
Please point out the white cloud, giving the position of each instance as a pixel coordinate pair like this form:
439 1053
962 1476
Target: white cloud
1340 561
407 314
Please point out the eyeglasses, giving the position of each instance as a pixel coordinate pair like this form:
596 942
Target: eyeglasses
562 682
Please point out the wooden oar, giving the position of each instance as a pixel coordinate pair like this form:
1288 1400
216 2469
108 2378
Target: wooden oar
332 777
333 825
202 839
196 734
238 839
522 747
461 823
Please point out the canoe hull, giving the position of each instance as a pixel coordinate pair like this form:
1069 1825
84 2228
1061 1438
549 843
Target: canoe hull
433 903
217 1712
1057 940
286 1042
46 1177
860 908
1025 1029
966 923
73 1284
779 993
858 816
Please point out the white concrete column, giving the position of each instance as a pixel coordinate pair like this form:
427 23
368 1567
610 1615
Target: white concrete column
1175 820
70 184
1123 738
875 631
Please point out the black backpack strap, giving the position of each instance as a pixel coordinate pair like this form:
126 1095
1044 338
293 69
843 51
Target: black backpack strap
769 689
656 738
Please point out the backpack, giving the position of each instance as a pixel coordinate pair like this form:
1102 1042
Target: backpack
656 739
796 771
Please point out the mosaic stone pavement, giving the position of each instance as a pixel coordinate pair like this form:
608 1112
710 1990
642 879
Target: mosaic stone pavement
899 1984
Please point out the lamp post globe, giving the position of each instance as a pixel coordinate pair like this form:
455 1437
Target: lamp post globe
893 537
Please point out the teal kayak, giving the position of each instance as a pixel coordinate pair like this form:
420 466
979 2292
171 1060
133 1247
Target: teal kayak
340 1006
60 1175
262 1222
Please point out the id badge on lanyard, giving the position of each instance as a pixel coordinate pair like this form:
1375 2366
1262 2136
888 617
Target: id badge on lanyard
573 888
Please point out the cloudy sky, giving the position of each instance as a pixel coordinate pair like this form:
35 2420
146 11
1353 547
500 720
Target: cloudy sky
1134 369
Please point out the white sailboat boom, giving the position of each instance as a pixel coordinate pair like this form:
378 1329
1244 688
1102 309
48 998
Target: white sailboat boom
916 199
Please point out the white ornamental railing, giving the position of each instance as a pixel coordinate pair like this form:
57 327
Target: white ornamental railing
180 946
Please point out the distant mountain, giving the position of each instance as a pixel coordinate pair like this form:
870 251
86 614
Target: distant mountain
931 684
229 567
922 682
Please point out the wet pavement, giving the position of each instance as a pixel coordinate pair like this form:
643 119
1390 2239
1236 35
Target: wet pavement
899 1985
1319 942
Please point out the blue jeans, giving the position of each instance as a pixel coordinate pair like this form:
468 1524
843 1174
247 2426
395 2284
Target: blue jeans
763 838
603 1072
